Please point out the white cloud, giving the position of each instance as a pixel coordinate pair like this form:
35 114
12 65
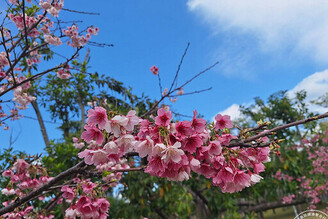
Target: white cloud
232 111
299 25
315 86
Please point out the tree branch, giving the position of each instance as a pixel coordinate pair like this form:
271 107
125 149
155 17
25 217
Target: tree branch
278 128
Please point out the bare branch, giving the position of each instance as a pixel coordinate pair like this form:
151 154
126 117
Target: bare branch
80 12
270 131
178 70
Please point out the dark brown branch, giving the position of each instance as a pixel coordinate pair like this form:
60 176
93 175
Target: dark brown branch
53 203
99 174
80 12
92 43
272 205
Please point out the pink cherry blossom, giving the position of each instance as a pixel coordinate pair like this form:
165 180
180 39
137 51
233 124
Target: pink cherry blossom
88 187
145 147
172 153
191 143
180 91
68 192
154 70
133 120
223 122
92 133
97 116
198 124
164 117
183 128
116 124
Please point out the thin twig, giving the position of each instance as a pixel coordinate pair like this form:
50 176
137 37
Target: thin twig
270 131
80 12
178 70
34 77
200 73
193 92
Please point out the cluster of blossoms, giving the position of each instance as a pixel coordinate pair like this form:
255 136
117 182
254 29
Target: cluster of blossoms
16 2
174 149
30 21
84 200
37 26
3 62
154 69
88 208
76 39
288 199
21 97
24 177
64 73
34 56
316 188
313 185
52 7
281 176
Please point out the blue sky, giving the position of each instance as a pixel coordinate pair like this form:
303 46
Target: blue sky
262 47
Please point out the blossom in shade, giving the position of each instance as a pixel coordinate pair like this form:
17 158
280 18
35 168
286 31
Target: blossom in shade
215 148
132 120
86 207
103 204
99 156
68 193
64 73
92 133
145 147
223 122
115 124
88 187
20 166
111 147
172 153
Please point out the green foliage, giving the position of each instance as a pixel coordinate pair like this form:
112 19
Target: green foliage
67 100
155 197
61 156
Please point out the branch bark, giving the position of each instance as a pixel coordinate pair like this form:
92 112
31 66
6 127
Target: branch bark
272 205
